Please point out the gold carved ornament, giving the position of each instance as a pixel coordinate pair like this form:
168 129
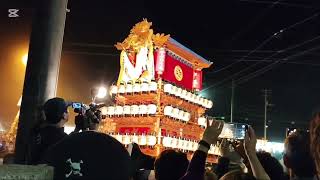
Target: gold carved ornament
141 35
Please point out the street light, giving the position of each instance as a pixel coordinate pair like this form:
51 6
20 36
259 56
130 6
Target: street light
25 59
102 93
98 93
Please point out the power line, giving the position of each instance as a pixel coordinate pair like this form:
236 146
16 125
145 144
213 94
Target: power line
251 66
267 40
253 22
280 59
279 3
261 45
270 66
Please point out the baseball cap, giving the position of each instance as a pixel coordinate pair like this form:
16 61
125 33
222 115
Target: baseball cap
89 155
54 109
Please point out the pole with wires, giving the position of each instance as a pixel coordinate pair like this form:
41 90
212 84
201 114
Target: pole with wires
266 105
232 101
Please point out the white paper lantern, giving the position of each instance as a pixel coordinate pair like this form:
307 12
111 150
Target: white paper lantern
174 90
126 110
167 141
197 99
206 103
135 139
143 109
175 112
167 88
113 90
151 140
184 94
113 135
189 97
186 116
168 111
193 98
129 88
110 110
185 145
144 87
202 121
180 115
136 88
194 146
174 142
142 140
152 109
118 110
121 89
119 137
134 109
178 92
180 144
190 145
126 139
202 100
153 86
104 110
210 104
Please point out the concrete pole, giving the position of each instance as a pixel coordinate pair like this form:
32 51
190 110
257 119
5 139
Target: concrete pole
42 70
232 101
266 105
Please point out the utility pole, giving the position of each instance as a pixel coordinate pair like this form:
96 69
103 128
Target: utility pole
42 70
266 105
232 101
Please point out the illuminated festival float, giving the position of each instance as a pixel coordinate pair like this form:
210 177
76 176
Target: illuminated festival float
156 100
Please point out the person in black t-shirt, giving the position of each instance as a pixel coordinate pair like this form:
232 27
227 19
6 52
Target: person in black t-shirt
51 130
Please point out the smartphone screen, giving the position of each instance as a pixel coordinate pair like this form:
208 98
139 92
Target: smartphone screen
234 130
76 105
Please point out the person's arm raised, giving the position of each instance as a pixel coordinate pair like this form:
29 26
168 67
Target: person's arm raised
250 142
196 167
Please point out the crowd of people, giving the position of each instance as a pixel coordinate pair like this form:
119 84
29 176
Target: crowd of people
94 155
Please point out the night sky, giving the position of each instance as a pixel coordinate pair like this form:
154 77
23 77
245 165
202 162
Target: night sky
237 32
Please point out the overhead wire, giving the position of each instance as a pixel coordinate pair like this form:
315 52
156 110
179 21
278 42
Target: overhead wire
253 65
270 66
267 40
259 46
280 3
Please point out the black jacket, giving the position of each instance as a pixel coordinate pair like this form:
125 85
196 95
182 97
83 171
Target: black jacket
42 139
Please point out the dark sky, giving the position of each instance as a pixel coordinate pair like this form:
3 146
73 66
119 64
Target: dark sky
224 32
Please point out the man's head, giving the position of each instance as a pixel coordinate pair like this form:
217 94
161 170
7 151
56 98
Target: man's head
56 111
170 165
297 155
271 165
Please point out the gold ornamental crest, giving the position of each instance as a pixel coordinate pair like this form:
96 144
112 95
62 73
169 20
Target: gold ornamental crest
178 73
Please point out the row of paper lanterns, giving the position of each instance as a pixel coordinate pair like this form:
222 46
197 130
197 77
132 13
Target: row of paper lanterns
142 109
176 113
186 95
142 140
177 143
167 88
186 145
129 88
167 142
